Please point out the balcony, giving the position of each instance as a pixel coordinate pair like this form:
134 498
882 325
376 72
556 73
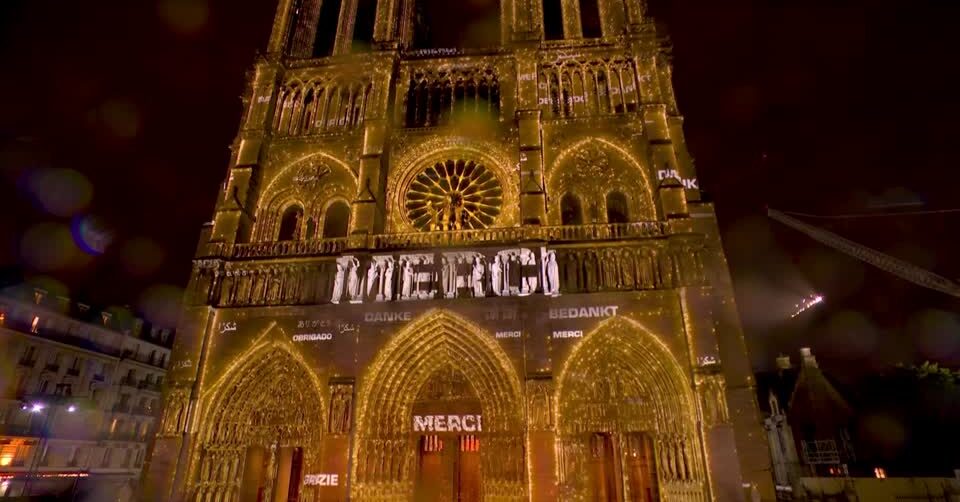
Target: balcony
29 363
98 378
129 382
53 368
121 408
73 372
441 239
151 386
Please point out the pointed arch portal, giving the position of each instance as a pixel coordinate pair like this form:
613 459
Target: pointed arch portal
445 361
626 427
261 429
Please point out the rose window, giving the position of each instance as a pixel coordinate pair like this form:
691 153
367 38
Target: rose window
453 195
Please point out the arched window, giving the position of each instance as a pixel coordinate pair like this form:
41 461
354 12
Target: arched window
442 24
329 23
570 211
363 25
617 208
590 19
290 223
336 221
552 20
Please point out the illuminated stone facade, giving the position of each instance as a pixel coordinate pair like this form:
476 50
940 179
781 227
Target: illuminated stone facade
438 272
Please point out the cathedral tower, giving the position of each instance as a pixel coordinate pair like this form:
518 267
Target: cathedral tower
460 253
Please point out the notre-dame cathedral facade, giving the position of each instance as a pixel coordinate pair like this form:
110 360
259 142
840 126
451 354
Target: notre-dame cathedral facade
460 253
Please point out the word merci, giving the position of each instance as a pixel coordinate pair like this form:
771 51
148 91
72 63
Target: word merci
584 312
568 334
508 334
313 337
447 423
321 479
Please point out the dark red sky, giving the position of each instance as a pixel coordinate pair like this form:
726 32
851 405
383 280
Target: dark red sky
799 105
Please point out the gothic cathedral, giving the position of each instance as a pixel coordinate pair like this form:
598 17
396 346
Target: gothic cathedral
460 254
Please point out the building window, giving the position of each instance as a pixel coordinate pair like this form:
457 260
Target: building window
590 19
336 221
552 20
442 24
363 27
327 27
617 208
570 211
290 223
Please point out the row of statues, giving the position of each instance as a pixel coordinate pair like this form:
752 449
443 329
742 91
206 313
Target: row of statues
511 272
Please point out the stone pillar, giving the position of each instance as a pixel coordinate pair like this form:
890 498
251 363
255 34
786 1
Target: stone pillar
532 190
337 447
252 474
281 489
370 204
541 438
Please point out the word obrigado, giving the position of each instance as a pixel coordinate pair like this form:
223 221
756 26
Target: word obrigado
447 423
313 337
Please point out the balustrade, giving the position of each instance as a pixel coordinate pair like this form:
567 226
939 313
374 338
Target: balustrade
587 87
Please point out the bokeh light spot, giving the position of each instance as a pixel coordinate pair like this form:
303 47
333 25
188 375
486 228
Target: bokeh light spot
120 117
60 192
184 16
91 234
141 256
161 304
48 246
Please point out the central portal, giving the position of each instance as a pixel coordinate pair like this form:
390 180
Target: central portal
448 424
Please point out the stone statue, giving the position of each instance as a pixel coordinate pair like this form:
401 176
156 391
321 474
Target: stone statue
372 274
551 274
448 277
337 285
476 276
388 281
528 272
406 284
353 279
496 276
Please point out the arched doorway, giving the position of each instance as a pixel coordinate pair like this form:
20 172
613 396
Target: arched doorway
626 421
440 417
261 430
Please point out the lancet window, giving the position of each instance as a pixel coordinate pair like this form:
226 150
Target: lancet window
617 208
586 88
336 220
438 97
320 107
570 211
290 223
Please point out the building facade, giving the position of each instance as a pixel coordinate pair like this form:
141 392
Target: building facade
460 254
80 397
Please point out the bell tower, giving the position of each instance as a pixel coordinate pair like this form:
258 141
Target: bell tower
492 197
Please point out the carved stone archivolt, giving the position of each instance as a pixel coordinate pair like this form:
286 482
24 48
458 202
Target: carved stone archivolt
591 169
268 398
621 386
409 369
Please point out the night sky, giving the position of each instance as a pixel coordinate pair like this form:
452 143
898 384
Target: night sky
121 113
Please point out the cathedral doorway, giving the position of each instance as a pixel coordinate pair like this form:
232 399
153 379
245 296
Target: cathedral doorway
262 430
440 418
626 421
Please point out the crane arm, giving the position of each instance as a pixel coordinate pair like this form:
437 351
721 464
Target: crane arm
895 266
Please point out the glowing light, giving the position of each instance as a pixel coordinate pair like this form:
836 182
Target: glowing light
37 407
807 304
34 324
6 460
880 472
72 408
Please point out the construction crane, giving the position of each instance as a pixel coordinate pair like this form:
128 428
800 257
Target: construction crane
895 266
